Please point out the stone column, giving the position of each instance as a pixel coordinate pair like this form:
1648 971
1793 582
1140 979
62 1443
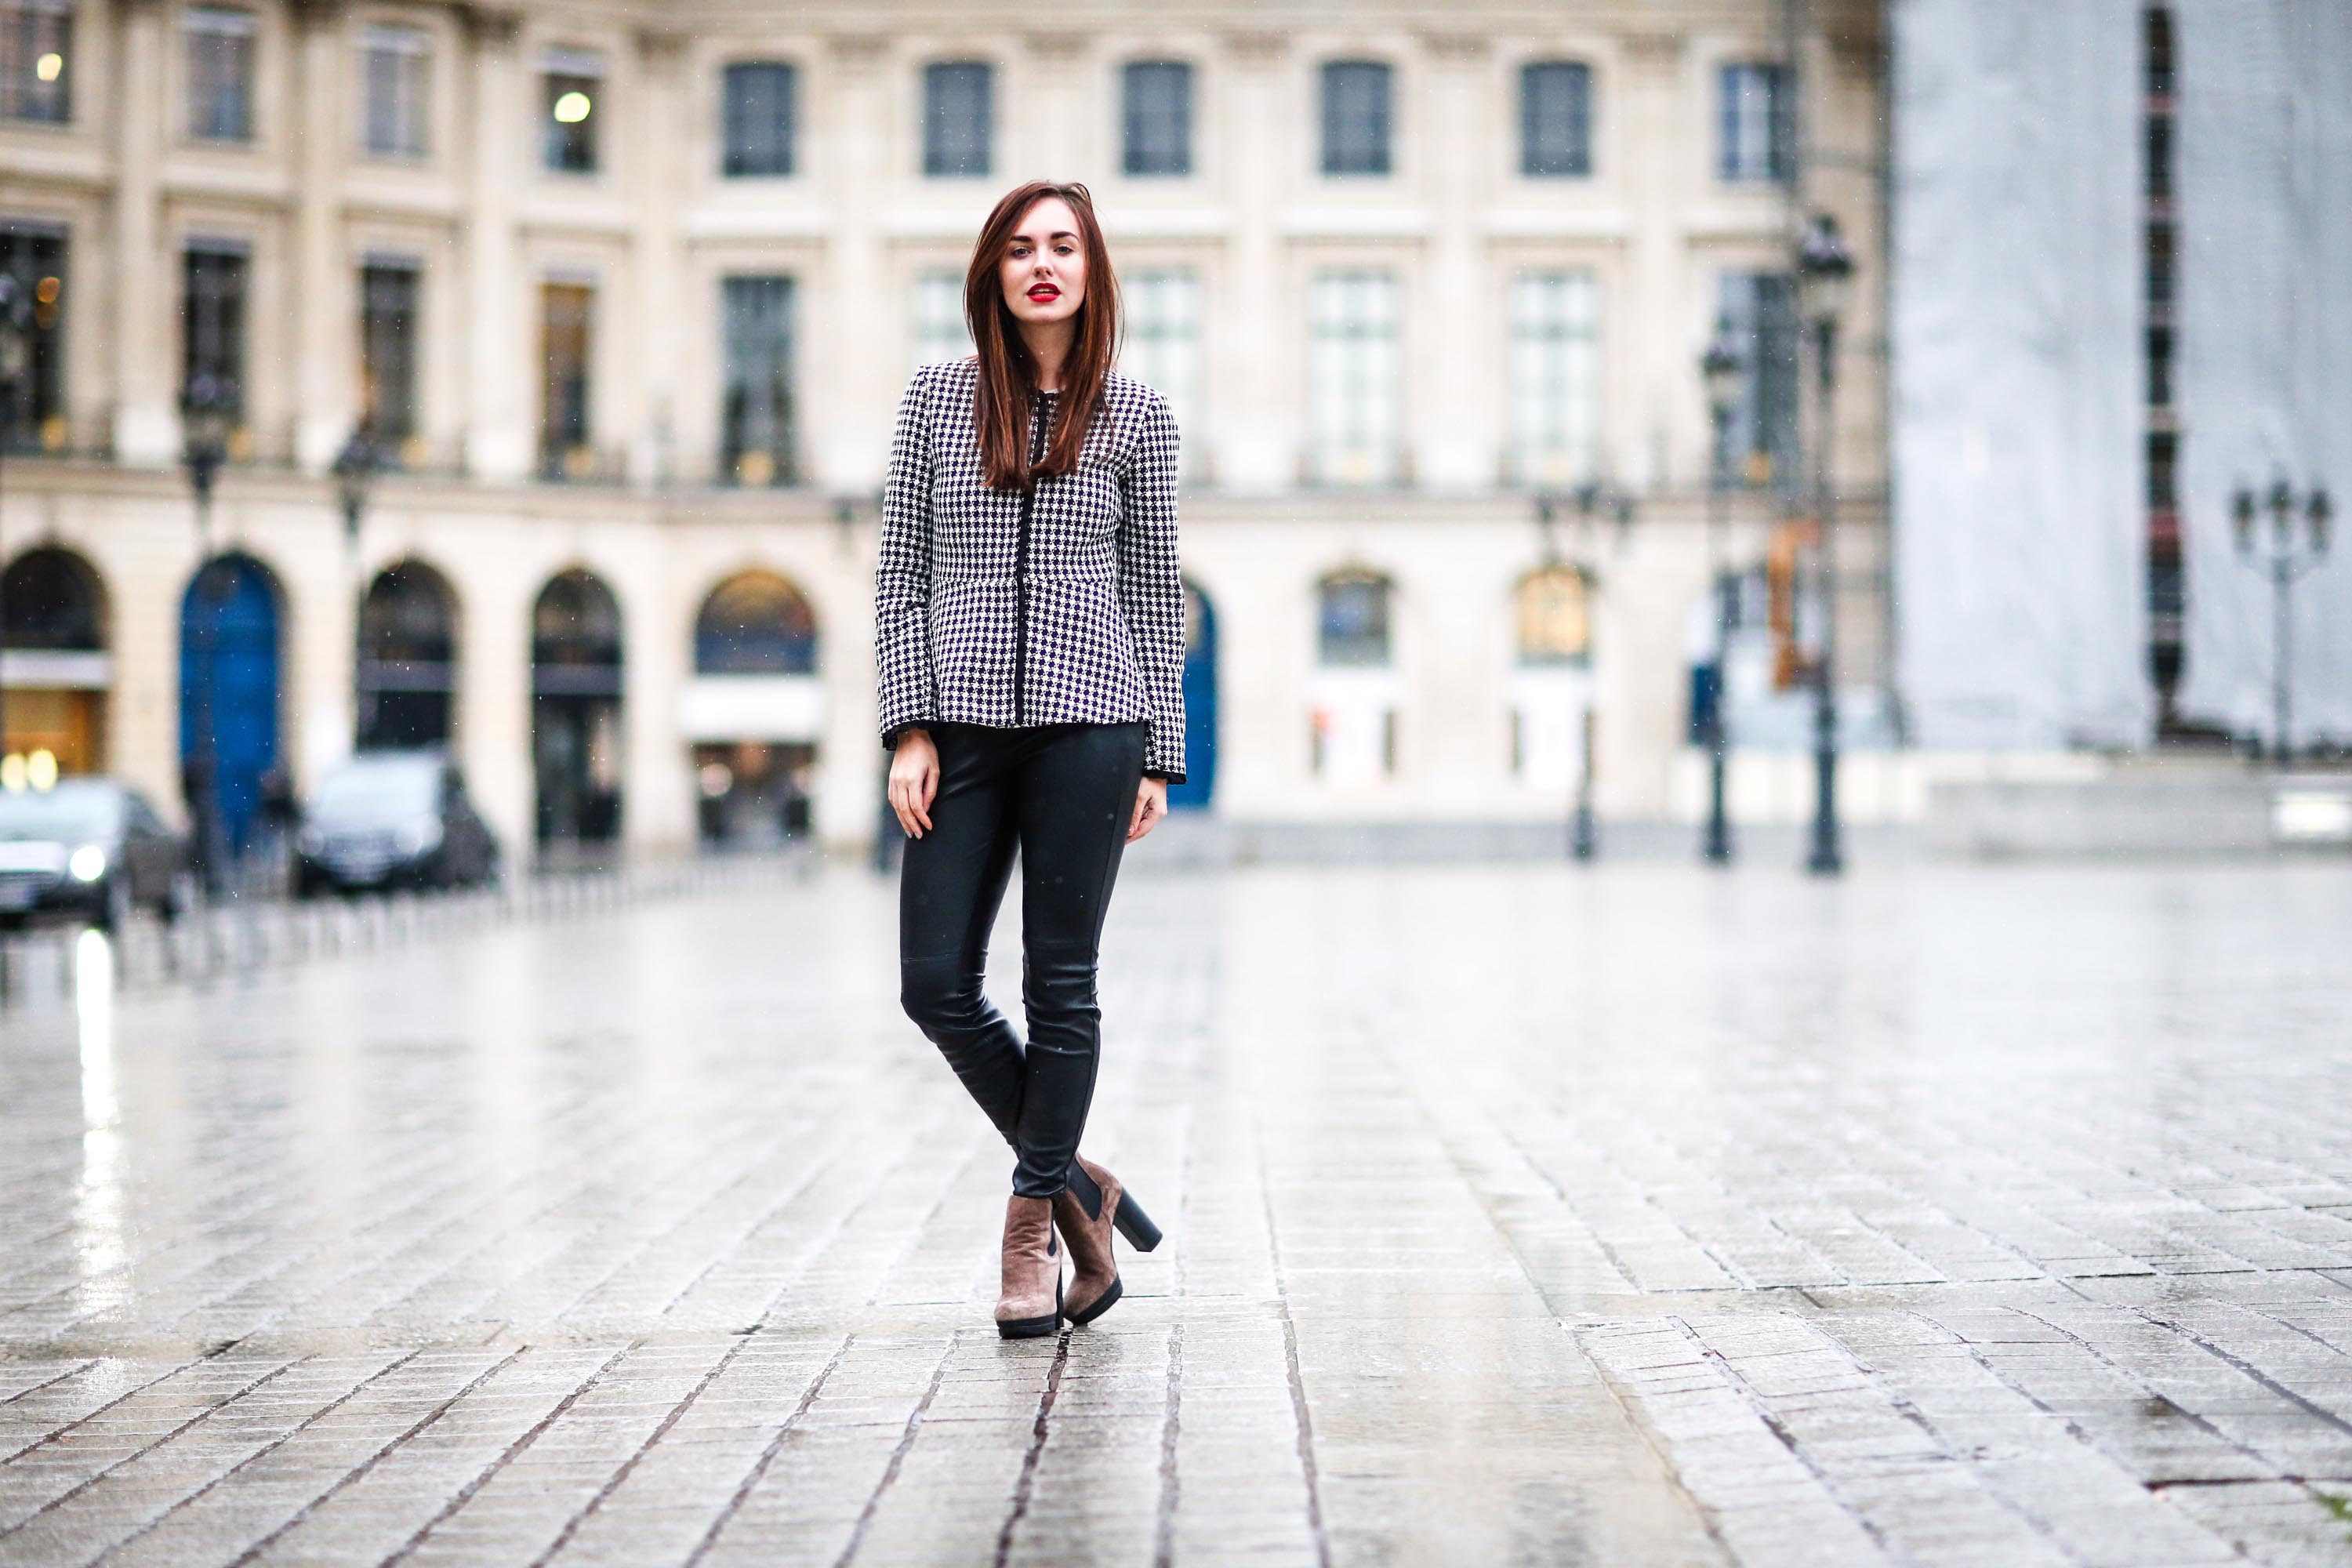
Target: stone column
146 278
657 813
1453 397
649 398
852 328
1650 319
326 307
499 321
493 728
1259 426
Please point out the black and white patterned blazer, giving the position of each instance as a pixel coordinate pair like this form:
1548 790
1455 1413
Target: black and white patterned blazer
1068 609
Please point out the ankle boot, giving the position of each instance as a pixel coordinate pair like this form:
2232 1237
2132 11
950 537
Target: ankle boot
1085 1219
1031 1301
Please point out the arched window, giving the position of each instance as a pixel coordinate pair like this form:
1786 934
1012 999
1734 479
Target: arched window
1555 622
1353 622
52 600
406 677
755 622
575 717
576 623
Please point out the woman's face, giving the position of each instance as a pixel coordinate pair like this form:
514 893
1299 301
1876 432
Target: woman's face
1043 268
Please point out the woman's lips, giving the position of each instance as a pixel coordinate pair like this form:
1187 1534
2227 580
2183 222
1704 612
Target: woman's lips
1044 291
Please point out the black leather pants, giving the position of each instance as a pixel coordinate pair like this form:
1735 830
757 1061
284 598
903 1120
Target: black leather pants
1062 794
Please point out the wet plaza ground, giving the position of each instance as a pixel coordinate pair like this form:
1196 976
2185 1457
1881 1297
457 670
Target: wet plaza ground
1624 1216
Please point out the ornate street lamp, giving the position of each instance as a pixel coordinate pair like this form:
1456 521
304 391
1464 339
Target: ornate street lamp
355 471
2284 559
207 418
1824 277
1718 369
15 360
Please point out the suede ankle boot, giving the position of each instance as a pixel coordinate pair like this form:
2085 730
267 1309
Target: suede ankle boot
1085 1219
1031 1301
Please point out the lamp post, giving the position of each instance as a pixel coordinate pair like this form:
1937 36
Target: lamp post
355 470
1825 274
2284 559
1718 369
16 358
208 416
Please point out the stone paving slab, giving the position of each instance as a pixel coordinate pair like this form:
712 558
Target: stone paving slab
1970 1217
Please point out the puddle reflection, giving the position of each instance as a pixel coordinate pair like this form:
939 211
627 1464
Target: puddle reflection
98 1206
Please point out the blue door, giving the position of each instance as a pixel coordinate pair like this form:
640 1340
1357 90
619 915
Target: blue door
228 690
1199 705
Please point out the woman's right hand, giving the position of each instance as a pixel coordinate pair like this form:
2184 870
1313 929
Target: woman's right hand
914 781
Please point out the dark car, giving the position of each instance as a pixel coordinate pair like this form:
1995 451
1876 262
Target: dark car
89 847
393 819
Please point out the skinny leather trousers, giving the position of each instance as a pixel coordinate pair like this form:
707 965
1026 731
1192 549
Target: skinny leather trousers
1062 795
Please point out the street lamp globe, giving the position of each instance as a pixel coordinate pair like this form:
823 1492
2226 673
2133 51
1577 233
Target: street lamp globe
2318 513
1718 369
1824 270
207 418
355 467
2241 518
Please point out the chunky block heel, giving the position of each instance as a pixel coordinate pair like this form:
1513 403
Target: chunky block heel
1134 1223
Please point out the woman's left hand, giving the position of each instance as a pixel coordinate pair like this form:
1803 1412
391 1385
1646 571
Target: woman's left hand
1151 805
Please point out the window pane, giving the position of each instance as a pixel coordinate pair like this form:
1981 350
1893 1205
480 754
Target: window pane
1353 377
1760 311
1556 119
956 108
569 91
35 259
1163 342
388 353
212 320
566 310
939 330
394 66
220 74
1758 131
757 418
1555 373
1355 118
1352 623
758 120
35 60
1158 118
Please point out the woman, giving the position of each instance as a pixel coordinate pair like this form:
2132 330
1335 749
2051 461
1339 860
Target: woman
1029 638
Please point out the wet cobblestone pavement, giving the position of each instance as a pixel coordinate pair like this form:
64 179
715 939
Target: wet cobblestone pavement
1515 1215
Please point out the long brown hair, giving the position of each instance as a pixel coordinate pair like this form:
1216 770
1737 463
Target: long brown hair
1008 375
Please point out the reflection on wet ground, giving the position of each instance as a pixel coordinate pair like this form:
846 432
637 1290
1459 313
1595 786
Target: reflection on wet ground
1630 1216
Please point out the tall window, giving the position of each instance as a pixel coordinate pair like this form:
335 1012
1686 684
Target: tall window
939 330
36 52
220 73
758 415
1353 378
570 81
1550 686
957 106
566 317
1555 378
1356 117
395 65
1163 338
1556 119
759 96
1158 116
212 320
1759 129
34 413
388 352
1353 723
1351 626
1760 311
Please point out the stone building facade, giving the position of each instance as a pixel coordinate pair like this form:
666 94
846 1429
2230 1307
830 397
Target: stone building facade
630 301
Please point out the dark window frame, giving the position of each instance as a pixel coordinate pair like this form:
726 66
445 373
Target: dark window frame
759 412
1779 167
221 60
393 124
1156 119
758 109
943 117
30 29
391 300
216 278
1758 311
1556 138
575 147
1358 118
567 389
40 257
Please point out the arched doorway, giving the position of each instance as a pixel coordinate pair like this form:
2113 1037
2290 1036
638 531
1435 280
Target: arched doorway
1353 734
406 677
576 709
1551 683
54 670
229 701
1199 705
755 709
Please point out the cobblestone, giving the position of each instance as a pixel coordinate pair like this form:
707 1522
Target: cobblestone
1947 1216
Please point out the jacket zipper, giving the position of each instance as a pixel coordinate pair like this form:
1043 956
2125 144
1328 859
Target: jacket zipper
1021 564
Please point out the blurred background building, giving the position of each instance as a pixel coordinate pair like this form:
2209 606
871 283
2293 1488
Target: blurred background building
621 305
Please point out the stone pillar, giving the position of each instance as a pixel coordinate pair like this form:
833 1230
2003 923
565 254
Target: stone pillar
146 279
500 323
1259 425
1659 375
326 336
1459 418
854 330
659 799
493 728
649 398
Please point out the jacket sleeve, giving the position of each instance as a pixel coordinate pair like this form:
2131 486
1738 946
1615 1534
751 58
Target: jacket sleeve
907 687
1152 586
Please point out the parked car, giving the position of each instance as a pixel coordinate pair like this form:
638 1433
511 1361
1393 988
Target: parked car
92 848
393 818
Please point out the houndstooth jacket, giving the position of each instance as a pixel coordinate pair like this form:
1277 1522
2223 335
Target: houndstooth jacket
1006 608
